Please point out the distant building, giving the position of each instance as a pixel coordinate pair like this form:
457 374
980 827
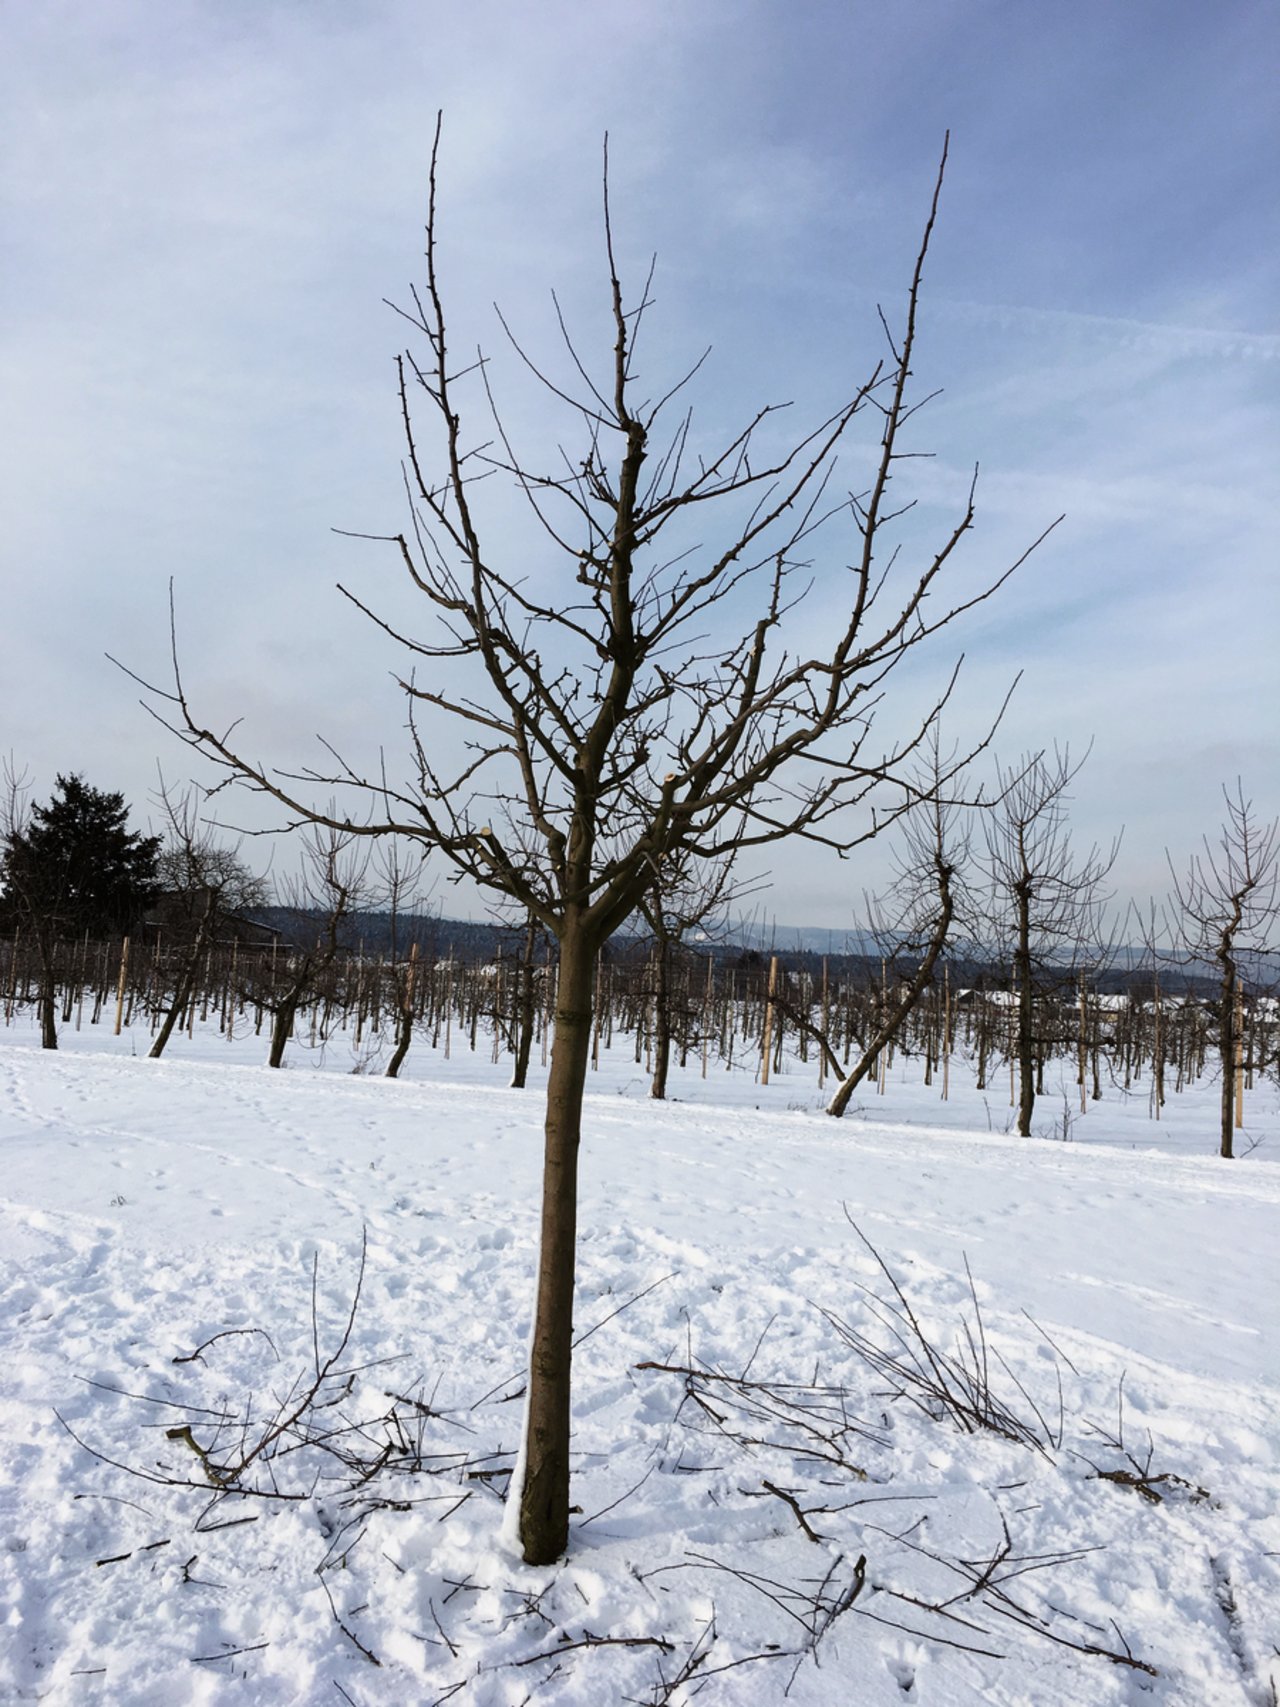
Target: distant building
175 915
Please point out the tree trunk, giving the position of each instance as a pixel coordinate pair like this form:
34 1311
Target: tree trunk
179 1007
404 1020
404 1036
282 1027
897 1018
525 1008
186 983
661 1020
1026 1018
544 1497
1227 1050
48 1005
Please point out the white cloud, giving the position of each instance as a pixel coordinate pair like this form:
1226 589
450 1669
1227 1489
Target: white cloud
206 205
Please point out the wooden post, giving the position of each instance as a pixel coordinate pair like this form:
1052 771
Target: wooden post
229 993
552 985
946 1032
708 1007
767 1046
826 1024
12 997
1239 1054
649 1017
120 984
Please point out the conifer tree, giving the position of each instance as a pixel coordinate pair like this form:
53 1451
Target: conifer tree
76 866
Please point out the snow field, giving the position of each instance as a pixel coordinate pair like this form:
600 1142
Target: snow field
145 1207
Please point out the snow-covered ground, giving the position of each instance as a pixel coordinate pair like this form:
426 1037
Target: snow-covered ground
146 1207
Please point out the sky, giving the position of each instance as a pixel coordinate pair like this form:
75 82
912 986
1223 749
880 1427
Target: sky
204 207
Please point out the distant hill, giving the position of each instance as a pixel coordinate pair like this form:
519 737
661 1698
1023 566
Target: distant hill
801 948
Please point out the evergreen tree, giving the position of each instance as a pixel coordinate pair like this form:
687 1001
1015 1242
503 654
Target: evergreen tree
75 867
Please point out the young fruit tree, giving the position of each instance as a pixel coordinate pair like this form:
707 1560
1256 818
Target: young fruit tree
317 904
685 895
204 887
661 695
1227 907
918 917
1045 906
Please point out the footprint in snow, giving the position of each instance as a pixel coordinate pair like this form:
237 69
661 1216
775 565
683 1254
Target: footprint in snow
903 1674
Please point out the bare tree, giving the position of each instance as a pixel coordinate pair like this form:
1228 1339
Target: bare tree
1045 908
686 894
660 695
918 917
204 885
401 884
1151 932
524 1006
330 887
1227 904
